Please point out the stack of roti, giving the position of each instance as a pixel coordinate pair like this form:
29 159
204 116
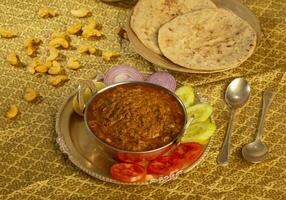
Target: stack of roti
194 34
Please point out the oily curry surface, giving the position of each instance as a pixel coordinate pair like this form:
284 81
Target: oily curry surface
135 117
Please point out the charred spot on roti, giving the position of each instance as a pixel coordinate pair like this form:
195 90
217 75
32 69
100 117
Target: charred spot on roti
170 2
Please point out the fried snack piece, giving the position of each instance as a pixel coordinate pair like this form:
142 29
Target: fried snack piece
89 49
73 64
43 68
30 45
92 23
30 95
46 12
63 35
55 68
59 42
74 28
110 55
34 63
54 54
90 31
13 59
5 33
81 12
57 80
12 112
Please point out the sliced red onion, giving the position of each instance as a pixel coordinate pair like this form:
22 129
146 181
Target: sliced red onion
164 79
121 73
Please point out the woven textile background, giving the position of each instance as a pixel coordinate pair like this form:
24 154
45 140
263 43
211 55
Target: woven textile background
31 164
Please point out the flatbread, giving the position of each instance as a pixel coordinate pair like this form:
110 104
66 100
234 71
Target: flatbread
149 15
209 39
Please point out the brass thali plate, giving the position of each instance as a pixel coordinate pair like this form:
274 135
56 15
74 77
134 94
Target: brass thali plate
81 150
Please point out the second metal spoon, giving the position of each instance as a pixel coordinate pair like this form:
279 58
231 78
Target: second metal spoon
256 151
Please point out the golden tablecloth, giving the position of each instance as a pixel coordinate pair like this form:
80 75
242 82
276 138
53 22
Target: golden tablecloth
32 166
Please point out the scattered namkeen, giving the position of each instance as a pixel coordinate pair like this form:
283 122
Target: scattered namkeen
12 112
46 12
58 80
89 49
63 35
73 64
34 63
110 55
81 12
30 45
13 59
30 95
54 54
5 33
55 68
43 68
60 40
90 31
74 29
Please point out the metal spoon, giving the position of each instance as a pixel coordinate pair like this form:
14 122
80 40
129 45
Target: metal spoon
256 151
236 95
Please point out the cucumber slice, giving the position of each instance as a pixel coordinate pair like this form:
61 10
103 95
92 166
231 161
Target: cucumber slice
86 95
200 112
199 132
99 85
186 94
187 140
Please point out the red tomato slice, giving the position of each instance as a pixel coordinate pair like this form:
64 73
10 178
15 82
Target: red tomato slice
188 153
164 165
128 172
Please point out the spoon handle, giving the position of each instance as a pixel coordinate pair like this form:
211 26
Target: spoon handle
267 99
225 149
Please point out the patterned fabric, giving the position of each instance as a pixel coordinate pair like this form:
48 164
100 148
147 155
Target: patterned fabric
31 164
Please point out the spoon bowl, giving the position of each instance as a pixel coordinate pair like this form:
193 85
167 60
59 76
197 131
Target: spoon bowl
255 152
237 93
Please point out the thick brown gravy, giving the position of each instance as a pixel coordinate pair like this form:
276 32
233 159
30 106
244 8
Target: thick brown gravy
135 117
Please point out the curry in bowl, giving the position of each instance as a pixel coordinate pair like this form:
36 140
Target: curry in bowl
136 116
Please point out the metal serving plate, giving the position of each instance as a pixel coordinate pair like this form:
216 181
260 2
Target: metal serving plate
82 151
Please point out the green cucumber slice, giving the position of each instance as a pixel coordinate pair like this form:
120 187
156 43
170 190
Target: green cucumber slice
199 132
186 94
200 112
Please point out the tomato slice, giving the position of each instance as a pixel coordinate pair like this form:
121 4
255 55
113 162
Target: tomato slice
128 172
188 153
164 165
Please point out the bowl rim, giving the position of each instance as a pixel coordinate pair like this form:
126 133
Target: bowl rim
183 128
